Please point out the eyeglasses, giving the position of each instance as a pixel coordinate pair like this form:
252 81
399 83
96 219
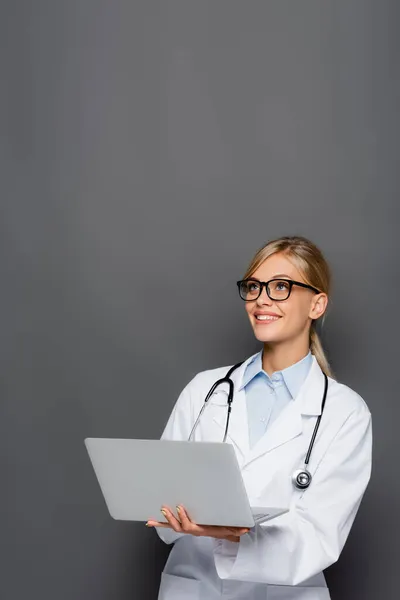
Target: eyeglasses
277 289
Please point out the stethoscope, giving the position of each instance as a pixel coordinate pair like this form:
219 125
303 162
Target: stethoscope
302 477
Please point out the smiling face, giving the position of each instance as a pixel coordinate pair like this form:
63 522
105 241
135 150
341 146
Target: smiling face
288 320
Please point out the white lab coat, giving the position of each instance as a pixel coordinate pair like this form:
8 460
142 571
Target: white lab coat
282 559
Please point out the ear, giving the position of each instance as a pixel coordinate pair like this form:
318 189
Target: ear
318 306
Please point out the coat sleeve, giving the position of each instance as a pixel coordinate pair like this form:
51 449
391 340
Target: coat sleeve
178 428
311 536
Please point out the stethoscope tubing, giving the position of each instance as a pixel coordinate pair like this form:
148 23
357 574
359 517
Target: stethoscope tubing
301 478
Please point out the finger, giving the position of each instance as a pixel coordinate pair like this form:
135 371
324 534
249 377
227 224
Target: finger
232 534
158 524
183 516
238 531
226 533
171 519
187 525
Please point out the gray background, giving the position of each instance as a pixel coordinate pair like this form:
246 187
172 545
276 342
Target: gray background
148 148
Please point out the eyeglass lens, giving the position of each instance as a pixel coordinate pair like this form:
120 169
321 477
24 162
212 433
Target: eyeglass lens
277 290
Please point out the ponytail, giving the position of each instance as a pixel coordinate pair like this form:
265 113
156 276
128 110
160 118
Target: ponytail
318 351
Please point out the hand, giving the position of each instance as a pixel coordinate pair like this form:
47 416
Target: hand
183 524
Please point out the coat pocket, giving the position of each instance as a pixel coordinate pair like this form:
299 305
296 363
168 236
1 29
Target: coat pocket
178 588
297 592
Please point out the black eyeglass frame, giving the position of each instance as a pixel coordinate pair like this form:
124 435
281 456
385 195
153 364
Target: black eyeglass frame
265 284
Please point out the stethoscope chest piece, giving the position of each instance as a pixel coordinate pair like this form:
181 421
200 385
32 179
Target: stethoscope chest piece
301 479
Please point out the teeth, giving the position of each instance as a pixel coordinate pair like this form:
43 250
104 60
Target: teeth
266 318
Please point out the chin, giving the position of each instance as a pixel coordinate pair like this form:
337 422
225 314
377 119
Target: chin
263 336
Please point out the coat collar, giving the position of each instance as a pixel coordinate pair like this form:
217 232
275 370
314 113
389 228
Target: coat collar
311 392
289 423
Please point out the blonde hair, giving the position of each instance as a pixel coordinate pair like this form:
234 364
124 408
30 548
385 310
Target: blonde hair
309 260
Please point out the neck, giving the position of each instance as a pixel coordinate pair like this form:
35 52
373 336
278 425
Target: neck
277 357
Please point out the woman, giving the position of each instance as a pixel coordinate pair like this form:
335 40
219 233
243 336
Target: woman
277 401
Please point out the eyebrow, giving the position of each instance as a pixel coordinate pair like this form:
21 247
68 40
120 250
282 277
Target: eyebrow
278 275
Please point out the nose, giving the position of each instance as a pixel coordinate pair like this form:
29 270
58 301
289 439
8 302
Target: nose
263 297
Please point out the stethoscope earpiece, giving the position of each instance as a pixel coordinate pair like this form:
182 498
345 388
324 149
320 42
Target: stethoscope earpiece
301 479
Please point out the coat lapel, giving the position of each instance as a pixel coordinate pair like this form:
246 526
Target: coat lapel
238 432
289 423
287 426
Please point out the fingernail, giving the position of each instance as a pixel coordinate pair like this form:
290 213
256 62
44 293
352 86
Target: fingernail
178 508
148 524
163 512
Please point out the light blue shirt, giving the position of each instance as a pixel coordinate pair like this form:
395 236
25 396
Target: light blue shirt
267 396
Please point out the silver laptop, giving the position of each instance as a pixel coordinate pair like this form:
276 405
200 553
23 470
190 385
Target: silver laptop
138 477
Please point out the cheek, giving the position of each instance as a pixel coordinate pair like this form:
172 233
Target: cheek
247 308
297 316
292 309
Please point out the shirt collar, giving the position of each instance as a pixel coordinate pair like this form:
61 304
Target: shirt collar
253 368
293 376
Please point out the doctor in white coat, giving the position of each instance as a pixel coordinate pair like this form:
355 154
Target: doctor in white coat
277 400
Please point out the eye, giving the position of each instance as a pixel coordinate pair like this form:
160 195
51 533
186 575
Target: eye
252 286
249 289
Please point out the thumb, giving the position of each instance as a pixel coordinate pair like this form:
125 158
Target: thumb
238 530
